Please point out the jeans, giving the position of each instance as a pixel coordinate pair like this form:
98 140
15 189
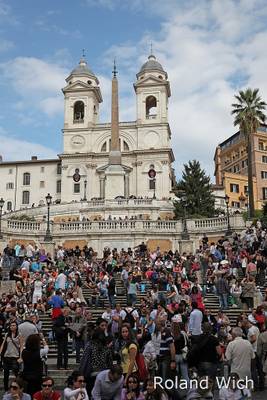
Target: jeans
181 367
132 298
223 298
10 364
111 299
62 352
79 345
164 367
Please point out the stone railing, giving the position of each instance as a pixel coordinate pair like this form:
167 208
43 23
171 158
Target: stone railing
199 226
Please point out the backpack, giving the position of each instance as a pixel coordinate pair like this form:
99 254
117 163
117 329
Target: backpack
129 318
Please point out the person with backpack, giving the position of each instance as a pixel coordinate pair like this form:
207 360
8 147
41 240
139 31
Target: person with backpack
130 316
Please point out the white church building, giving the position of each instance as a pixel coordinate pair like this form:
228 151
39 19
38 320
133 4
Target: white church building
101 161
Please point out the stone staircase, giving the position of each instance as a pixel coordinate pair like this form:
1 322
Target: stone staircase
211 302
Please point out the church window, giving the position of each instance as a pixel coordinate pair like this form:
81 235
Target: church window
95 112
152 183
89 82
76 188
26 178
125 146
42 184
25 197
10 171
78 115
160 77
104 147
58 189
42 169
10 185
59 169
9 206
151 107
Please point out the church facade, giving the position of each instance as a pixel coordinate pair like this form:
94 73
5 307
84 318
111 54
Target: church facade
101 161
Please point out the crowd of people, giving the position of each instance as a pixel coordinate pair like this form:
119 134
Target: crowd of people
154 337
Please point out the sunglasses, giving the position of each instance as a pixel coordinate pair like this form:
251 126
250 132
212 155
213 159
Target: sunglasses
14 387
47 385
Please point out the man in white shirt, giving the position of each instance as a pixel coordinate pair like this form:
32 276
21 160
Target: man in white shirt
239 353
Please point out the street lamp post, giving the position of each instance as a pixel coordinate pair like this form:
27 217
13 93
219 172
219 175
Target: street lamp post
85 186
48 236
2 202
228 233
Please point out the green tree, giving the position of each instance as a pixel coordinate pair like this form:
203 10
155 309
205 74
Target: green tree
194 192
249 116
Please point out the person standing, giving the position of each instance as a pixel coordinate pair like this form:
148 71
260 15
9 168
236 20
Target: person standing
61 330
195 322
239 353
222 289
256 365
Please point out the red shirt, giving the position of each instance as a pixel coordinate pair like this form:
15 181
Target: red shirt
55 395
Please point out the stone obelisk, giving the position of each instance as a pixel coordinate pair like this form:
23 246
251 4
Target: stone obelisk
115 181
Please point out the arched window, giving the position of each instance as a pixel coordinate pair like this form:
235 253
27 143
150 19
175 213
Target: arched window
26 178
25 197
125 146
104 147
151 107
78 112
9 206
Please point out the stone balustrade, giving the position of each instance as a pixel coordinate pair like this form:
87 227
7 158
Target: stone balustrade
175 227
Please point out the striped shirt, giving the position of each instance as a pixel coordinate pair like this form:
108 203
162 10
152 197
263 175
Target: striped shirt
166 341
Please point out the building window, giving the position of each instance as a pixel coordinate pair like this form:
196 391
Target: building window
234 188
151 107
261 146
125 146
152 183
26 178
76 188
59 169
78 111
264 193
264 159
10 171
42 184
235 204
263 174
246 189
244 163
59 186
25 197
10 185
104 147
9 206
42 169
236 168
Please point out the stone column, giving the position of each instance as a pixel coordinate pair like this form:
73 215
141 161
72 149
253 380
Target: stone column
127 186
102 187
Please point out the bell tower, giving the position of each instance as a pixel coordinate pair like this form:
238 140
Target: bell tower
82 97
152 90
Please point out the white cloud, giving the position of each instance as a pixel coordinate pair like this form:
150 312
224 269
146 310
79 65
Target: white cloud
210 49
37 82
19 149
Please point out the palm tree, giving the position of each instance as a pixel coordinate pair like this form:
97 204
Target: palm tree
249 116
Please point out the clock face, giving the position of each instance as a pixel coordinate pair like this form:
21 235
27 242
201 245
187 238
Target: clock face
77 141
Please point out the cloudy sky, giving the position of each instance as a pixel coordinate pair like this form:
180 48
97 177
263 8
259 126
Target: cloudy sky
210 49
